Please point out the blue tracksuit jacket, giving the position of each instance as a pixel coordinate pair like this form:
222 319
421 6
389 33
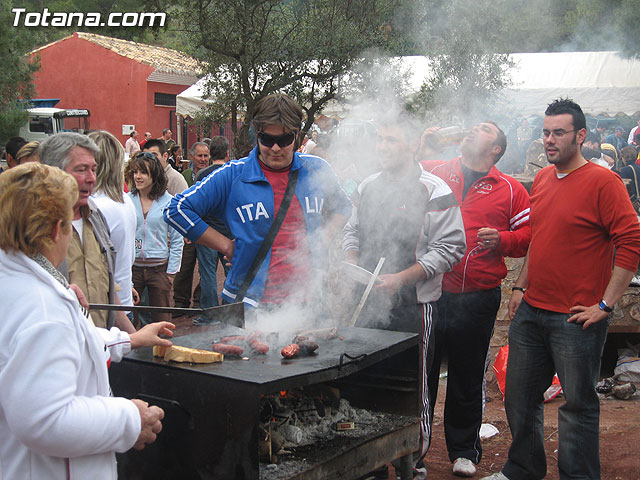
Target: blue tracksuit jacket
240 195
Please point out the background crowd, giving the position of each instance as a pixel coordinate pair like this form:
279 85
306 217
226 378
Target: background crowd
140 219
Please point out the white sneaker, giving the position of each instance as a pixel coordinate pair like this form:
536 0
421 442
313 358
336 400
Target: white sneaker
463 467
419 473
496 476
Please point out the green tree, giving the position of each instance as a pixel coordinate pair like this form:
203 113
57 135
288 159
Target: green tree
533 26
467 42
466 70
605 25
461 87
300 47
16 79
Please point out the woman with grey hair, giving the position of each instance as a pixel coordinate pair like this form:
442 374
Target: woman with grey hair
117 208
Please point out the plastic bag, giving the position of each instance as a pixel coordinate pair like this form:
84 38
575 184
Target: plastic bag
628 365
500 367
627 369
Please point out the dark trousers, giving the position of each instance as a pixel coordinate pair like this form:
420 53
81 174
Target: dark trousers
183 282
415 318
462 335
158 285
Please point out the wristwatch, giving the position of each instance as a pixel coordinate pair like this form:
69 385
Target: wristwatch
521 289
604 307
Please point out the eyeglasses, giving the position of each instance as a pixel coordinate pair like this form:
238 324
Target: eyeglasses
283 140
557 133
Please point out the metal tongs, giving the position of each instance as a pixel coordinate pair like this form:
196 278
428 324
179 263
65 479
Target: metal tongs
372 281
231 314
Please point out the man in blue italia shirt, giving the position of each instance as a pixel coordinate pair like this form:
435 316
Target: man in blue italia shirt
246 194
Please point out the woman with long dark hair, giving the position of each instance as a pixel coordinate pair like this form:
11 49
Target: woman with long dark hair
175 157
158 247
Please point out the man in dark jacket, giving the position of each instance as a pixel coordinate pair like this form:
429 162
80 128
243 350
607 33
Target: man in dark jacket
208 258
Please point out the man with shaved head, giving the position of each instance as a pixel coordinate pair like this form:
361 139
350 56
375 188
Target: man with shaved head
412 219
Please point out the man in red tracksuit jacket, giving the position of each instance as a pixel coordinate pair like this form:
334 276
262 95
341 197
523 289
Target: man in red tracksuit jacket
495 212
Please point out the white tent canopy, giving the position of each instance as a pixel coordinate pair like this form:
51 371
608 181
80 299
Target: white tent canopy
600 82
190 101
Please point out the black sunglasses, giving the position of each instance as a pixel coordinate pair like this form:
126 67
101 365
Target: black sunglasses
283 140
148 155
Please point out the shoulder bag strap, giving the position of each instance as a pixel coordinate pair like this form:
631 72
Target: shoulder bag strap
270 237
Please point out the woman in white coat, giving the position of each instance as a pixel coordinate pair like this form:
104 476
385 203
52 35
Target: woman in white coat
58 419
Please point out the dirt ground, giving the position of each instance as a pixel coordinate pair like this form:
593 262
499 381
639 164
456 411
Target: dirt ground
619 428
619 432
619 439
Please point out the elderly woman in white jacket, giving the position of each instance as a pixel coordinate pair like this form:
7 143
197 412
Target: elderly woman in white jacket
58 419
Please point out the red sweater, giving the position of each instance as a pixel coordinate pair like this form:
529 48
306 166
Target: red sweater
495 201
576 222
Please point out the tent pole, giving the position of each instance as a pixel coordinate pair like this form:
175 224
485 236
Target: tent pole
179 130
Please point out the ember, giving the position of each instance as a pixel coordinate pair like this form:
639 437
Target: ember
311 416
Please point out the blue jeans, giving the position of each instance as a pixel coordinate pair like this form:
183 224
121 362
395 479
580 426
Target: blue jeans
542 342
208 265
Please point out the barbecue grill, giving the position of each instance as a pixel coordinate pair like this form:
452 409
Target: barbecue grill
211 425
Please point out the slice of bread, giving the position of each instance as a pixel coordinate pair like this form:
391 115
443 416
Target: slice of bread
191 355
159 351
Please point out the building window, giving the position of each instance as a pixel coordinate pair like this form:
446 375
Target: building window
164 99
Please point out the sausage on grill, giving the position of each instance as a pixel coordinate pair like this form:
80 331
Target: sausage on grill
226 349
291 351
258 347
307 347
234 339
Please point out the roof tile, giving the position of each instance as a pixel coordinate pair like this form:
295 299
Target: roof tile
162 59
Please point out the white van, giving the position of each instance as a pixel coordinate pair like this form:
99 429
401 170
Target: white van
44 122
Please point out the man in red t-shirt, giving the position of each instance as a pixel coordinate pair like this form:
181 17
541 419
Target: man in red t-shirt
580 213
147 136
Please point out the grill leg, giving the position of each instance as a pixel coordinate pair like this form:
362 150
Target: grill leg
406 467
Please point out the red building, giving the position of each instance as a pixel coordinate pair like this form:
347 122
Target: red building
120 82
